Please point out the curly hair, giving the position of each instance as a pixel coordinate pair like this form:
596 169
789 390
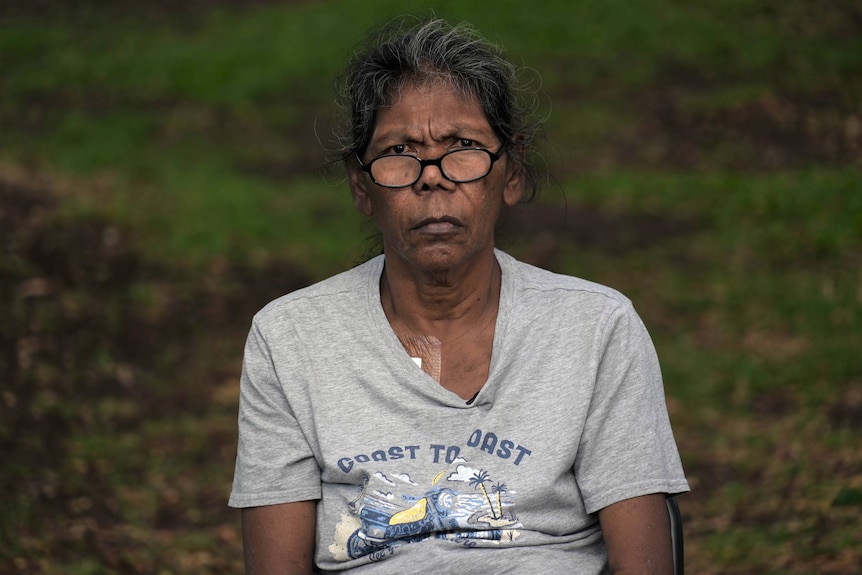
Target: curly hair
410 50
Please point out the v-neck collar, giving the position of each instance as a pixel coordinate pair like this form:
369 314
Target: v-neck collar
405 366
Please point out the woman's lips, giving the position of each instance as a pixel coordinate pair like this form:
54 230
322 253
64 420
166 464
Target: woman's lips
442 225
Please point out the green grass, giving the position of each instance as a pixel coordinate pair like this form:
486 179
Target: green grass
110 91
162 174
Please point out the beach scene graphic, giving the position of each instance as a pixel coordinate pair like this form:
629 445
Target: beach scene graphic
464 506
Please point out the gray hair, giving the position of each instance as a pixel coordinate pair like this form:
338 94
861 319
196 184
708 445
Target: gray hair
407 51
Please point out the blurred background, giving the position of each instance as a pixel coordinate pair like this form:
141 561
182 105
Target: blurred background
162 178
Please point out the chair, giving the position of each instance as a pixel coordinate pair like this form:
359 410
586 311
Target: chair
676 535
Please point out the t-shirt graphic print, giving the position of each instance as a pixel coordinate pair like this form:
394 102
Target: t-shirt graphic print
461 504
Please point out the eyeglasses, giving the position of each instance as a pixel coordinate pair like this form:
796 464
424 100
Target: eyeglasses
458 166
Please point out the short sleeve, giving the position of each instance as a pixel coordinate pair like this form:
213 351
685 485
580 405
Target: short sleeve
627 447
274 463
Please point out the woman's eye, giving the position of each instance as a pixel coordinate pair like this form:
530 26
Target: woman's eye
465 143
398 149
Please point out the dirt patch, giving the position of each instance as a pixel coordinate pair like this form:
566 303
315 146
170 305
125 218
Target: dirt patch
679 125
548 230
99 350
846 410
773 132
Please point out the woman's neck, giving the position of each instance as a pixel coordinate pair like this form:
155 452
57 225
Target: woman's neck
440 304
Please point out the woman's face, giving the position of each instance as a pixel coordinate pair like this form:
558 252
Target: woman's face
435 225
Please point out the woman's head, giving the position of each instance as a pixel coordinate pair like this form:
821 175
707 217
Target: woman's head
413 52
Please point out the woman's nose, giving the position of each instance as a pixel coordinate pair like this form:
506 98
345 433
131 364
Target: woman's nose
431 177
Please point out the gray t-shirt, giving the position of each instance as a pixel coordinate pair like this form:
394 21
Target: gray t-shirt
410 477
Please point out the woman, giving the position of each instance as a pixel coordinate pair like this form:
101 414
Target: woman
444 408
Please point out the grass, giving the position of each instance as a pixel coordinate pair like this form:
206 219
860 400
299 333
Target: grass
160 180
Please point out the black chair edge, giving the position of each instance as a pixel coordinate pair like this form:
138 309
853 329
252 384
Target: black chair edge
676 535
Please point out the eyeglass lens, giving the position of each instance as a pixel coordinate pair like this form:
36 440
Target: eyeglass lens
457 166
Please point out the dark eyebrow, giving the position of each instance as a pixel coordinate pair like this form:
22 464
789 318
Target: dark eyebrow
452 133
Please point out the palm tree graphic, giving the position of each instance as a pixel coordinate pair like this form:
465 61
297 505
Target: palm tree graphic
479 478
499 489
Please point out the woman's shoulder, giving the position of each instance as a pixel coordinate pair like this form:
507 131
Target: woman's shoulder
550 284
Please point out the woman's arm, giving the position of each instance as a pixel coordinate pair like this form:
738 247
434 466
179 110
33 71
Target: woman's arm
637 536
279 539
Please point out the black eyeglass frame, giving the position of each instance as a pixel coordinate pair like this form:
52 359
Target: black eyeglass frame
433 162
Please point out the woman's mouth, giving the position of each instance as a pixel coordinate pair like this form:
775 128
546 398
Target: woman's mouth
442 225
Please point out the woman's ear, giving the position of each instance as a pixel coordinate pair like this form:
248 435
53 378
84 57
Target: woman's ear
514 190
358 188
